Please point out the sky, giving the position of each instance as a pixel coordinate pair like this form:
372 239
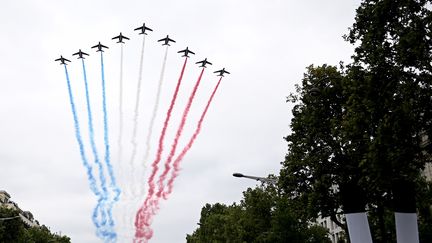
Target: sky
265 45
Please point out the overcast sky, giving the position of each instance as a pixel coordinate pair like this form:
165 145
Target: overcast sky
266 46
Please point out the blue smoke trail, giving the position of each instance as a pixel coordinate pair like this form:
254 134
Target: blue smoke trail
88 167
101 202
113 183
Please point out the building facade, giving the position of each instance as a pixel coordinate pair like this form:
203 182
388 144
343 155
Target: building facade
335 232
26 216
427 172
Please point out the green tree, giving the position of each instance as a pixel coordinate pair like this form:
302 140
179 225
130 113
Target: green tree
317 158
364 125
261 216
15 230
389 89
42 234
11 230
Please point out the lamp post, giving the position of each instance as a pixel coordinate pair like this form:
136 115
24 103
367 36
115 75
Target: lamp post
260 179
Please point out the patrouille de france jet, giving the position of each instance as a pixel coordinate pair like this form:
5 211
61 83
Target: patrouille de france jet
186 52
80 54
166 40
62 60
143 29
203 63
221 72
120 38
99 47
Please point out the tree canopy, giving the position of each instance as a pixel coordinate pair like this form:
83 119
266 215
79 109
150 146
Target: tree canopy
261 216
15 230
366 124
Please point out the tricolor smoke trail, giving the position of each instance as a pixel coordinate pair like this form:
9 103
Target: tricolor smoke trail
179 158
89 169
136 116
144 211
177 136
107 157
104 231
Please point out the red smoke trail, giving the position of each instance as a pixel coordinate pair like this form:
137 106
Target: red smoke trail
177 137
143 215
179 158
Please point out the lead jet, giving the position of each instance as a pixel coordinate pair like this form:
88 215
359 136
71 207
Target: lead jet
120 38
99 47
62 60
221 72
166 40
143 29
203 63
80 54
186 52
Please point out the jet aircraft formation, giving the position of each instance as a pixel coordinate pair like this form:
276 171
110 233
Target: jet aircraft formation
102 214
120 39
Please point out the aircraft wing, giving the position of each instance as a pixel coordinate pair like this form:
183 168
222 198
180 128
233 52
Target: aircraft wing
169 39
61 59
124 37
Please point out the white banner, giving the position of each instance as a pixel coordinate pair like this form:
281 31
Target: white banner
406 228
358 228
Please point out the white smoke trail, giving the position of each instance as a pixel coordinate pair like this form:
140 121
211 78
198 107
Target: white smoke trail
135 126
134 173
153 117
120 134
120 167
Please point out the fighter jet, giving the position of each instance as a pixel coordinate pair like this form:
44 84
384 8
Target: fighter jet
221 72
120 38
204 63
186 52
99 47
166 40
62 60
80 54
143 29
